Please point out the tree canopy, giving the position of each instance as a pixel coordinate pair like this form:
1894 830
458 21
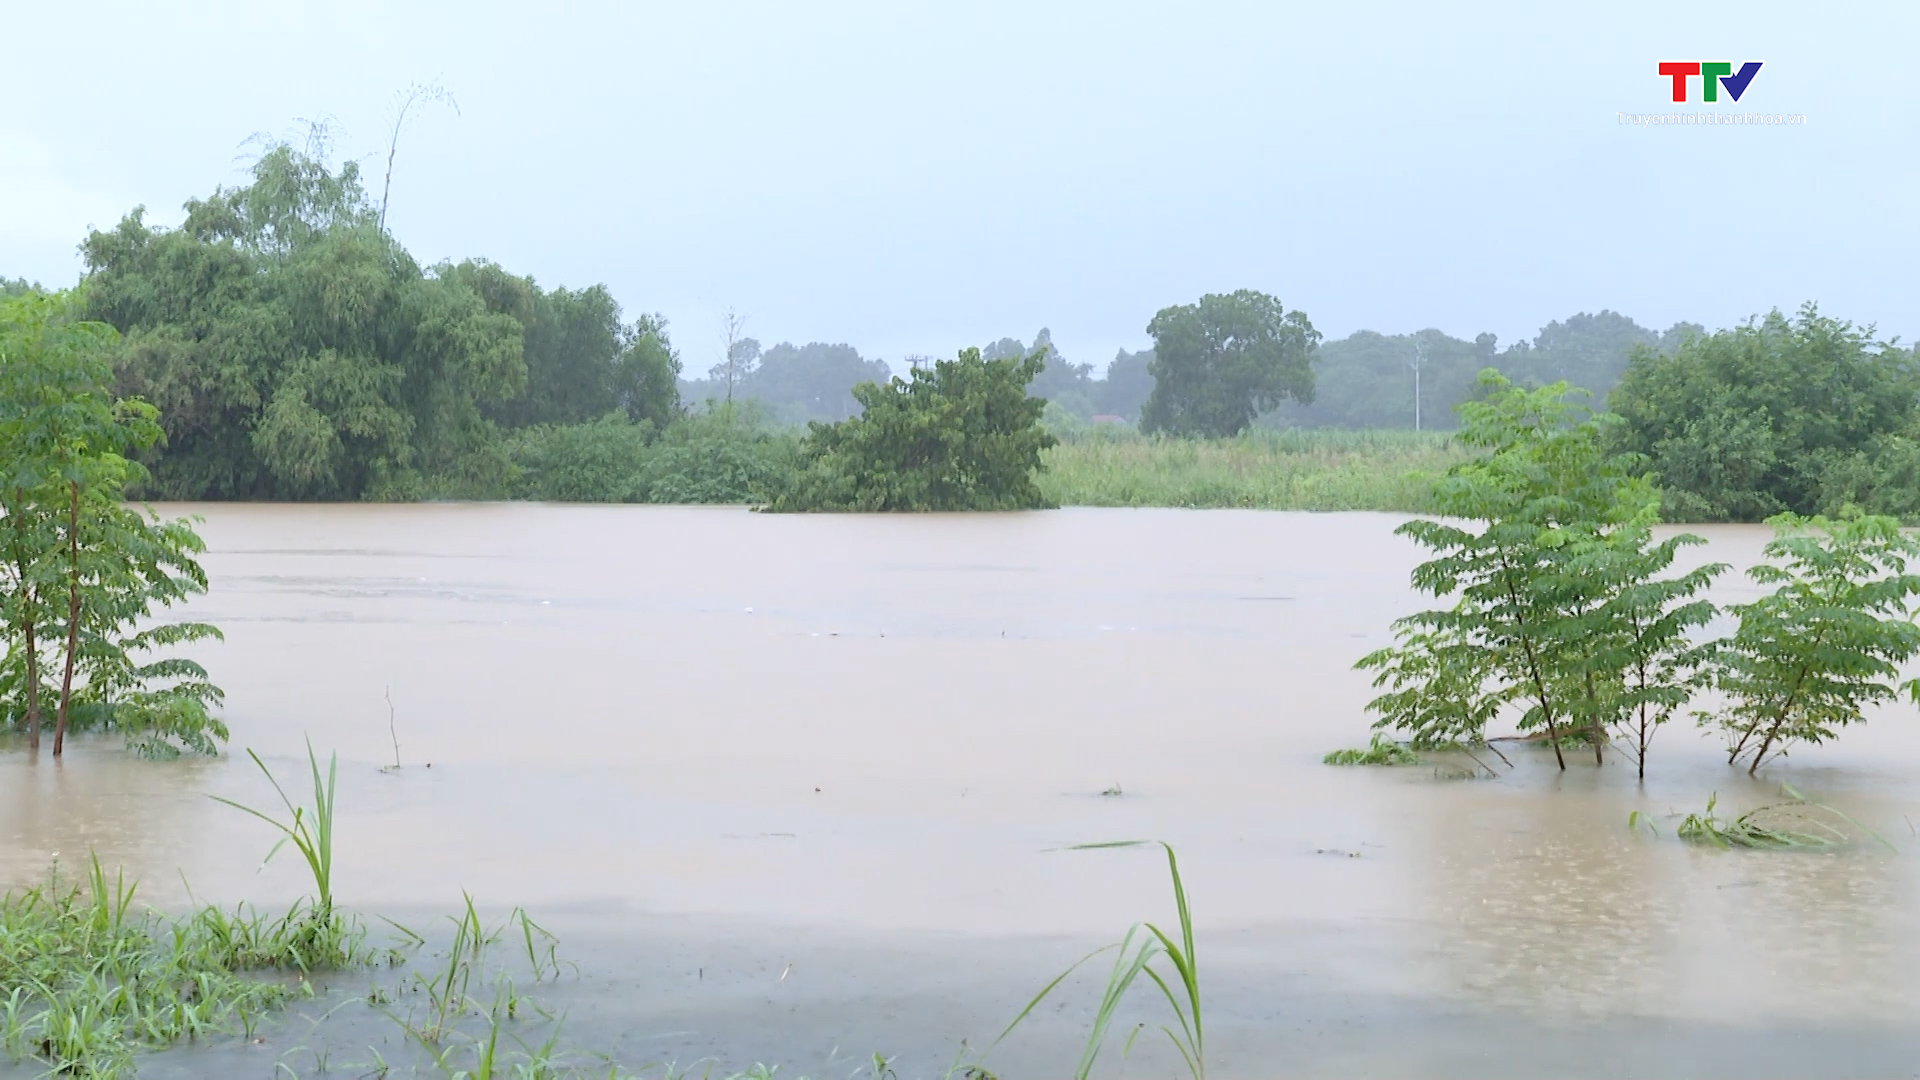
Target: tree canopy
1804 414
1364 380
296 351
961 435
1219 363
81 572
1128 384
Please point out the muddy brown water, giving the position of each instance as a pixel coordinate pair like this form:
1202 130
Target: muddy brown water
794 788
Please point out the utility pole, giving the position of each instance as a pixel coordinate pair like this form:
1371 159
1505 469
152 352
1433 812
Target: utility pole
1419 361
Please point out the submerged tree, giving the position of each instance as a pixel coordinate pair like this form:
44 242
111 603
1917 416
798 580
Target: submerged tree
1826 642
1438 682
83 570
1562 610
1640 662
962 435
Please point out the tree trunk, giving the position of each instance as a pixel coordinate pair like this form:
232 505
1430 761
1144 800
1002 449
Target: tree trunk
73 612
27 631
1765 745
1533 666
1596 732
33 682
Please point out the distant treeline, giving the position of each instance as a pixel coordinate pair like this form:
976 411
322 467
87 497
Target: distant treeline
1362 381
294 350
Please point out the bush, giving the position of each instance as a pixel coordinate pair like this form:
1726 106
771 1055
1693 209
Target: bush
1564 610
717 457
1801 415
726 456
1828 641
961 436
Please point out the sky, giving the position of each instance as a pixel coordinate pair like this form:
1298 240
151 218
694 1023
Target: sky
915 178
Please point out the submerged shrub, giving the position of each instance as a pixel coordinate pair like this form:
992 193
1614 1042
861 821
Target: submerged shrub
1564 614
727 456
962 435
1828 641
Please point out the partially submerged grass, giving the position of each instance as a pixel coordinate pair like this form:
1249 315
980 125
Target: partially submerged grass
1796 823
311 833
87 979
1135 955
1265 469
87 982
1381 751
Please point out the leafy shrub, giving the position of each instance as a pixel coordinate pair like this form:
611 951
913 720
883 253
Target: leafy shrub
82 573
1829 640
717 457
1800 415
720 457
962 435
1563 609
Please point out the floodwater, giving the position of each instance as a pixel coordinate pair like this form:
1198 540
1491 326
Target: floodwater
796 787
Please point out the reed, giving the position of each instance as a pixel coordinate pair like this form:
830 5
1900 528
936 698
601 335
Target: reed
310 833
1135 955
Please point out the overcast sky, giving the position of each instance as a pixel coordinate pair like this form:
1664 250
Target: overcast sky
916 178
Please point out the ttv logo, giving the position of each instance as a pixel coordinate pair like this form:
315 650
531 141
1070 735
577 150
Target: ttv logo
1712 76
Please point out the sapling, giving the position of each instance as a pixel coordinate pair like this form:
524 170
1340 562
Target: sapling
1828 641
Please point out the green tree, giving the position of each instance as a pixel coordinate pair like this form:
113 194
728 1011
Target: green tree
582 360
811 382
1589 350
646 376
1827 641
1636 658
1562 609
1364 381
1128 385
1221 362
963 435
295 350
1066 384
1801 414
82 568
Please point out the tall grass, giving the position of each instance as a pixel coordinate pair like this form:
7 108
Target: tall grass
318 936
311 834
1135 955
1290 469
88 979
